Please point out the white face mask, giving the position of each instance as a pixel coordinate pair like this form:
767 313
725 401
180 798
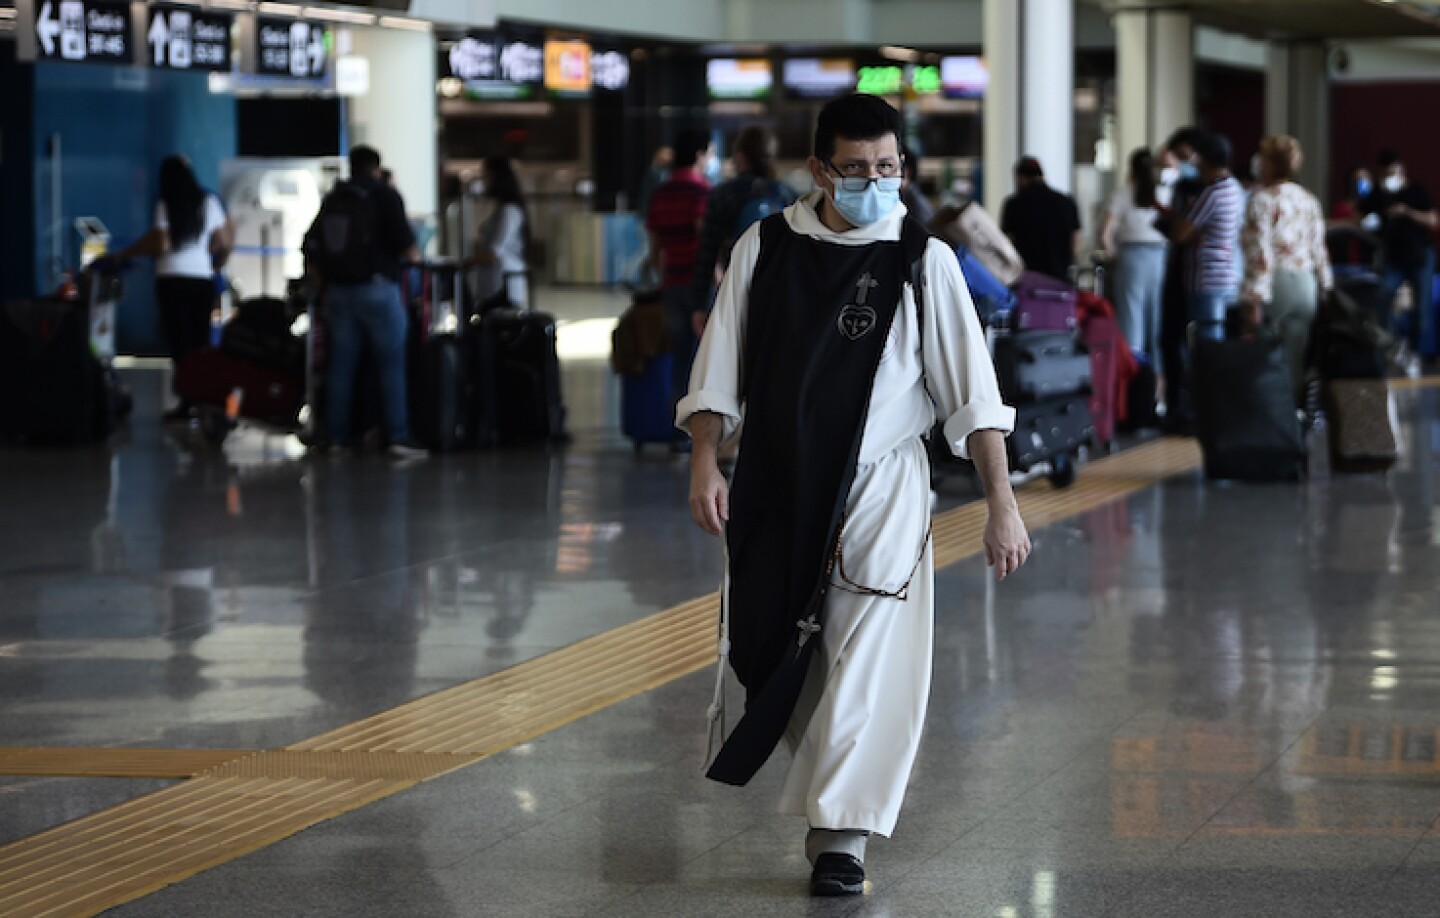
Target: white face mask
1394 183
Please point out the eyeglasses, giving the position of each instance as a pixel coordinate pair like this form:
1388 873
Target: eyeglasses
852 178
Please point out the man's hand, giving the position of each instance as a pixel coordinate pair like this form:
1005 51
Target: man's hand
709 496
709 492
1007 544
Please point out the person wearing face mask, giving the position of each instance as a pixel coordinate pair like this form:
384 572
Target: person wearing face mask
1350 246
1180 186
753 192
819 339
1406 219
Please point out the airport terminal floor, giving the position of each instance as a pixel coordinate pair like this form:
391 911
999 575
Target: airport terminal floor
250 683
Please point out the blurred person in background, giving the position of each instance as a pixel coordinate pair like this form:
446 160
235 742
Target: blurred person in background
358 248
753 193
503 241
1043 223
1286 263
673 223
1138 248
1211 229
1403 214
1351 245
190 236
655 175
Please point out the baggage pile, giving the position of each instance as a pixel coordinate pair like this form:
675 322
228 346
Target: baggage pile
1060 358
473 378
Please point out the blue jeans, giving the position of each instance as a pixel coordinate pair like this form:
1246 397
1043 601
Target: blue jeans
372 313
1139 282
1421 329
1207 311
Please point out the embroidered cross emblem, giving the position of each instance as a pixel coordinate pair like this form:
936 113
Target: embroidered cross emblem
865 285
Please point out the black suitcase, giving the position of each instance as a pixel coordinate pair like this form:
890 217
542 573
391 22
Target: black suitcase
524 382
1051 431
53 390
1245 410
1041 365
438 388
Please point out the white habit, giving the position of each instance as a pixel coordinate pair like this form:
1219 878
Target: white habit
856 729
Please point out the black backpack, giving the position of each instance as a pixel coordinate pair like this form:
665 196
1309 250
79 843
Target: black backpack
343 244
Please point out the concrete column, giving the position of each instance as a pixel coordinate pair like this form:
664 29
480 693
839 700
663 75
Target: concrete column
1030 102
1155 77
1297 102
398 114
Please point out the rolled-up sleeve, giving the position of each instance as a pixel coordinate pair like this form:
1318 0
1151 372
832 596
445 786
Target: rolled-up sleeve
715 377
958 371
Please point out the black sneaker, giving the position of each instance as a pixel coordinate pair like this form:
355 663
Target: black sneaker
837 875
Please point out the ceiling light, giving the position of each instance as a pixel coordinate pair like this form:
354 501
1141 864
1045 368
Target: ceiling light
325 14
400 22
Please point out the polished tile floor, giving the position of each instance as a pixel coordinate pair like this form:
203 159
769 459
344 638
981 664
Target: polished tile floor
1201 700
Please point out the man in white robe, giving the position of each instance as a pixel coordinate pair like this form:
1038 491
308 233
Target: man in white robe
855 726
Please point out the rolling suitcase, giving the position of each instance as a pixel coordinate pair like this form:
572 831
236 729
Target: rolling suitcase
53 389
526 382
437 386
1043 303
1051 431
1037 365
208 376
1101 337
646 409
1362 422
1245 409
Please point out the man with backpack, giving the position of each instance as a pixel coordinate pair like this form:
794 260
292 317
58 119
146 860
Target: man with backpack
357 248
840 334
733 206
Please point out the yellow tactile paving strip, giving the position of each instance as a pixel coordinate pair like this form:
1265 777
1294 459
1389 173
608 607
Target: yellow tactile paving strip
255 799
111 762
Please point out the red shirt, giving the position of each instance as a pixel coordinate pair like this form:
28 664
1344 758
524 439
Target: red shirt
676 208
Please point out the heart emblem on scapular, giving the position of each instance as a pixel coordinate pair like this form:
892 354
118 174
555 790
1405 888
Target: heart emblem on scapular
855 322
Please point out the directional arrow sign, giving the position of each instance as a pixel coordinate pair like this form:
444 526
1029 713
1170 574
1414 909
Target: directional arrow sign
46 27
317 52
159 38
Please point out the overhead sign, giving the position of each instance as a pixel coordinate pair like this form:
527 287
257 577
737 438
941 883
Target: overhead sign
84 31
180 38
291 48
474 68
732 78
567 67
521 59
610 70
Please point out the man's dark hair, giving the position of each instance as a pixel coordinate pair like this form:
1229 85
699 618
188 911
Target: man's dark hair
364 161
854 117
1213 150
1389 157
1029 167
688 146
1187 136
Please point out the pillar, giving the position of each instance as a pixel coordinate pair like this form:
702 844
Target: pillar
1030 101
397 115
1297 102
1154 76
